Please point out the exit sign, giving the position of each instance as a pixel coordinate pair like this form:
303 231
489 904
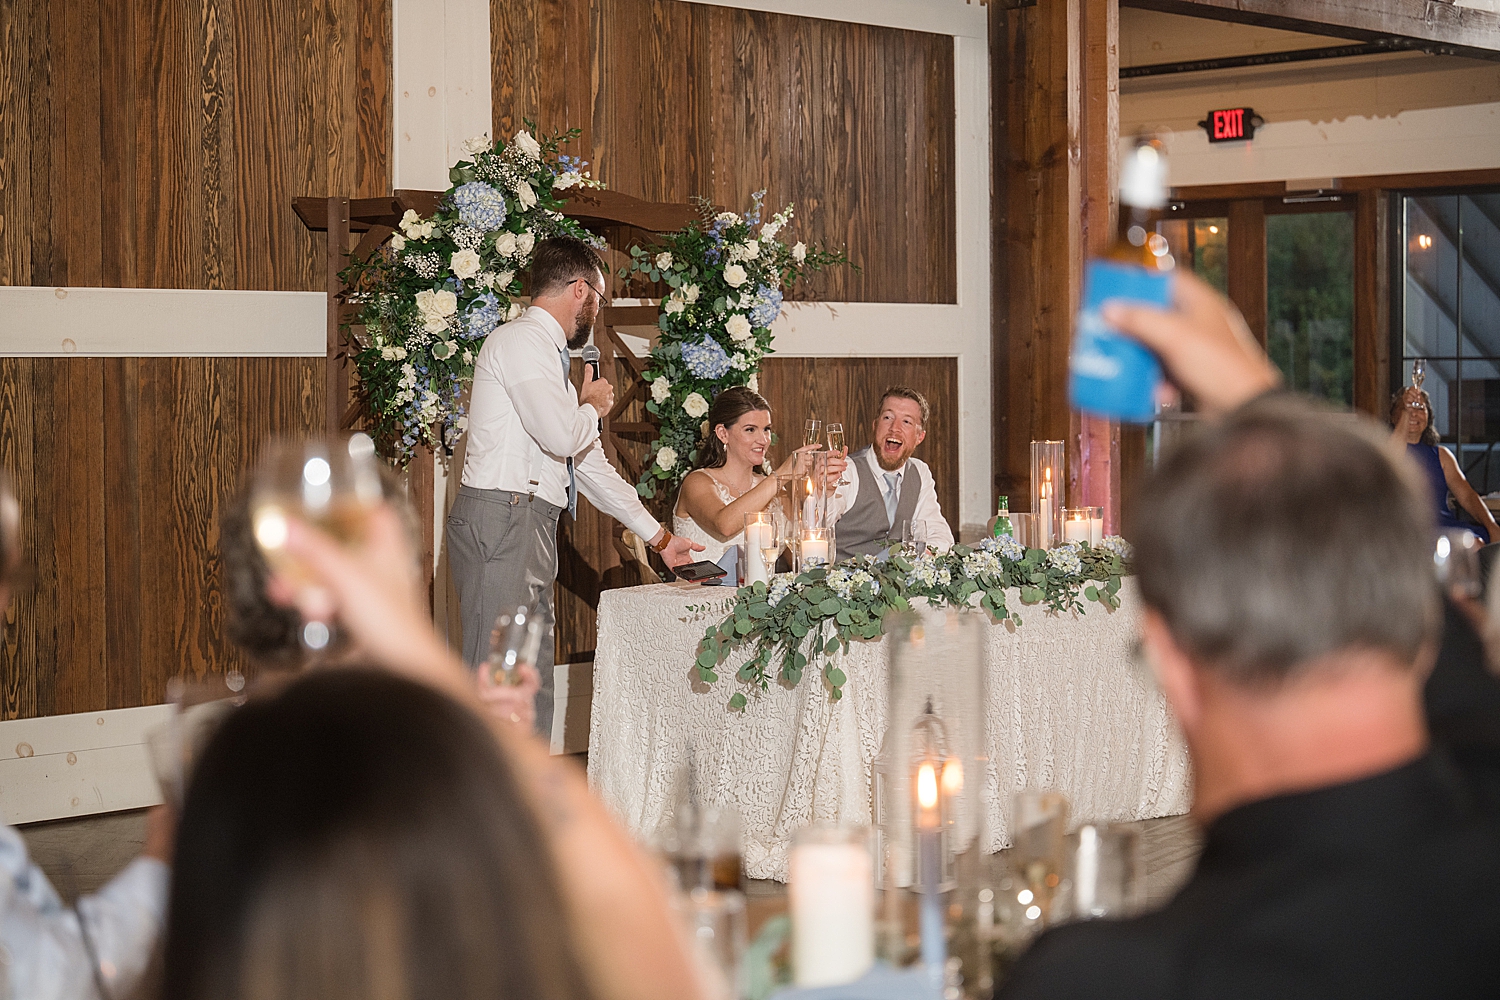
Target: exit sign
1231 124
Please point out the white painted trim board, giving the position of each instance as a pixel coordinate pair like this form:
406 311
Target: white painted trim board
65 766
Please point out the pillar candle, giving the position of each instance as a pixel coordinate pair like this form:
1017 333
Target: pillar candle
1044 514
1096 531
929 873
814 551
758 535
833 913
1076 529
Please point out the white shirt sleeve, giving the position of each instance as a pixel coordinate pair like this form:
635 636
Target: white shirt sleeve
608 490
843 495
46 956
546 403
929 512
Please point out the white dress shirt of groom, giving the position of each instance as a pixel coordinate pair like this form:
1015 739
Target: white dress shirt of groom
897 431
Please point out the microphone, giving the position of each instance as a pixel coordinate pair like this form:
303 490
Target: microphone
591 360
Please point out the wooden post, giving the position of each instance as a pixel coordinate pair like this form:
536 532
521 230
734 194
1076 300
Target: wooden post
1247 262
1372 333
336 374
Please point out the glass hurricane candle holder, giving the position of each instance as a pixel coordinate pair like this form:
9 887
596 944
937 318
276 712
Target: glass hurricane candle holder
1095 517
760 537
1047 472
1075 524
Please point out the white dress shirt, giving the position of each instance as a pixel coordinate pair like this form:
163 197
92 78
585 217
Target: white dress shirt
928 511
45 957
524 414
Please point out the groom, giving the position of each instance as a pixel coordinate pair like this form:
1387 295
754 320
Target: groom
883 486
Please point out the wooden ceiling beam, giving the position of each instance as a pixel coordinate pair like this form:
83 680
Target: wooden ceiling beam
1434 24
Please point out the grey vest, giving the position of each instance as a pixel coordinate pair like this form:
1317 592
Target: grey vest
864 530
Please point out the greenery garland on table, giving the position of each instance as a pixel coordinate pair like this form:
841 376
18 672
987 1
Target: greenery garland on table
727 282
430 296
824 609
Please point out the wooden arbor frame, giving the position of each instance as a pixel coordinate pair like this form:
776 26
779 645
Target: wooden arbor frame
623 221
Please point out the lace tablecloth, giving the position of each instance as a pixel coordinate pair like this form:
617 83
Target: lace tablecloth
1068 709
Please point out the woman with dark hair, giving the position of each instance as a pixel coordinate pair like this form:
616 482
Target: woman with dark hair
729 480
1411 420
362 835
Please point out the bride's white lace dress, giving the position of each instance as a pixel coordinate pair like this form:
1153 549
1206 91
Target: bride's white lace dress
684 526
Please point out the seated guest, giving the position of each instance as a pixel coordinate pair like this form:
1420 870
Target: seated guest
1411 422
361 835
728 482
267 631
621 929
885 486
1291 617
101 945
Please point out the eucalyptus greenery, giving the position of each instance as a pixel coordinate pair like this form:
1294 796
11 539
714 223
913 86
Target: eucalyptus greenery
796 620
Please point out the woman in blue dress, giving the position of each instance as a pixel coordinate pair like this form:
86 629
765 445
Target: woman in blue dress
1411 419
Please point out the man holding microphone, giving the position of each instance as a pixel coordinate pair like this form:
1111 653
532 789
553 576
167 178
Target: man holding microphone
533 446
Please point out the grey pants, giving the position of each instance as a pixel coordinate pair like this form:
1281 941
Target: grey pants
502 551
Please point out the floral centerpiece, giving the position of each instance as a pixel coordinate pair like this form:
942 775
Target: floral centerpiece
796 619
727 274
430 296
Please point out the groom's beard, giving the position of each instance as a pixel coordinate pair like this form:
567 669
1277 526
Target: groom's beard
583 326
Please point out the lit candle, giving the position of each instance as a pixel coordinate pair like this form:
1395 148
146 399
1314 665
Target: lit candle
929 871
814 551
1076 527
1044 512
833 912
1086 872
759 534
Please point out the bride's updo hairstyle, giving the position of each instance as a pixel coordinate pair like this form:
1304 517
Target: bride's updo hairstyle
727 408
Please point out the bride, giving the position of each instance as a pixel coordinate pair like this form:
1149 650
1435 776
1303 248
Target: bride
727 484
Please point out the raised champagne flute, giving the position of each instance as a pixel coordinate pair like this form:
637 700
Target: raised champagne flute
836 438
812 432
332 484
1418 372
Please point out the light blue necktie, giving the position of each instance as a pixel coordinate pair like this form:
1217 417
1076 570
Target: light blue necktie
892 488
562 352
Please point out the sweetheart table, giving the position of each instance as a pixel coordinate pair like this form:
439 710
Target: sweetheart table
1068 707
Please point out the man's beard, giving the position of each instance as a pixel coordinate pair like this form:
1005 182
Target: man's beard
583 326
880 459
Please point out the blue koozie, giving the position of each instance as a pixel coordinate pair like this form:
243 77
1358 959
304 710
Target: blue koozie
1110 374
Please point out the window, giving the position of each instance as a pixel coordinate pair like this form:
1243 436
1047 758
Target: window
1447 311
1310 302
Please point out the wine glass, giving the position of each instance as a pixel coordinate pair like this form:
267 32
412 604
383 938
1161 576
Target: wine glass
773 541
332 484
836 438
1418 372
813 432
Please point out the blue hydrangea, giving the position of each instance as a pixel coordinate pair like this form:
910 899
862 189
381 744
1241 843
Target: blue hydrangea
483 316
1065 558
480 205
1006 547
1117 545
706 359
767 306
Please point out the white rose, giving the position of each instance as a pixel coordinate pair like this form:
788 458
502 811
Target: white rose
754 384
433 323
673 306
695 405
468 357
738 327
398 243
799 252
465 264
505 244
690 294
426 302
410 221
525 195
476 144
750 251
728 217
529 146
734 275
445 301
503 279
524 243
666 458
663 261
661 389
513 312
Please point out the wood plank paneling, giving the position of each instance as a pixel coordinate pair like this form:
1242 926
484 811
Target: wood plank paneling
154 144
852 123
121 467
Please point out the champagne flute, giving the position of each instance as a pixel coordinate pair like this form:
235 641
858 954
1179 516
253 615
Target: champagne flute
836 438
1418 372
772 543
332 484
813 432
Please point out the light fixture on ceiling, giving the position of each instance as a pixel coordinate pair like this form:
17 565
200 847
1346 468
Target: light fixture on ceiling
1424 241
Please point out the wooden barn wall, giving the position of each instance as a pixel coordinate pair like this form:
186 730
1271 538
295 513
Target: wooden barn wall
145 143
845 390
852 123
